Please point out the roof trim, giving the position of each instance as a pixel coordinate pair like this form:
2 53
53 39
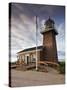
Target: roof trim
30 49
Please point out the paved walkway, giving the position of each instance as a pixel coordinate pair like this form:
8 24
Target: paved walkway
34 78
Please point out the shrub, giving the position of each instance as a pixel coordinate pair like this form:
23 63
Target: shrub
62 67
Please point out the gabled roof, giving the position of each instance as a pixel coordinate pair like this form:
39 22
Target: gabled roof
30 49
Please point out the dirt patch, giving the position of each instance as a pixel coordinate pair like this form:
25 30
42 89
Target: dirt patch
35 78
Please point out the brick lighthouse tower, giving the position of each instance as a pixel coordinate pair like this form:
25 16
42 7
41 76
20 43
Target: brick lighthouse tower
49 52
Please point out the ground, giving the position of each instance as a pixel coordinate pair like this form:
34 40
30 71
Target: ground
36 78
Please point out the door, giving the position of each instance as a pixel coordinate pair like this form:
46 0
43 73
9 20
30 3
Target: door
27 59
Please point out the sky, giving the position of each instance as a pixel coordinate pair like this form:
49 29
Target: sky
23 26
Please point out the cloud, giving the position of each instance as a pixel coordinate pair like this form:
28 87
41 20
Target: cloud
61 37
61 55
23 26
23 33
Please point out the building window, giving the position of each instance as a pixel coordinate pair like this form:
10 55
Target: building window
33 59
18 57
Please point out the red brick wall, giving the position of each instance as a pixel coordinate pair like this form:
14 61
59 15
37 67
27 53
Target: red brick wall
49 42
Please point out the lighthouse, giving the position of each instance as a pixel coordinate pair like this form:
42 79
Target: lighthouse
49 52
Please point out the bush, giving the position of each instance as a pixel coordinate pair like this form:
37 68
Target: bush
62 67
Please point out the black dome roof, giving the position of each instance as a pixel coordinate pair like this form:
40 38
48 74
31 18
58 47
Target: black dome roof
49 21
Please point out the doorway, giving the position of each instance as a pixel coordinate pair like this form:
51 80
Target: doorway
27 59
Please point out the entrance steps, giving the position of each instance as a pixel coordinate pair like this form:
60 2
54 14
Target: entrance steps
25 67
42 66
